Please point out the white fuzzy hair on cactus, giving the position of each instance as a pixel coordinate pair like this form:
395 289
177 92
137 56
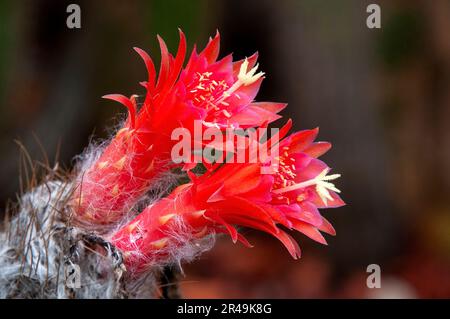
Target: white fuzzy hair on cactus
121 224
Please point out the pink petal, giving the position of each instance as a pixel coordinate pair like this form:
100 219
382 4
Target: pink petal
317 149
290 244
326 227
211 52
299 141
270 106
309 231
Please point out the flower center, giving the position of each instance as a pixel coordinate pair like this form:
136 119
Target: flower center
321 183
286 171
285 175
211 94
206 91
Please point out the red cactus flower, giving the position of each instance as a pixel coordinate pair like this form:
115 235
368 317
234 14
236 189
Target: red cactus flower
219 93
239 194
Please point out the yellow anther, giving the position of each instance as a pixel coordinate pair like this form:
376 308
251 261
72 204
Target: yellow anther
102 165
164 219
201 233
120 163
122 130
226 113
199 213
132 227
159 244
149 168
115 190
78 200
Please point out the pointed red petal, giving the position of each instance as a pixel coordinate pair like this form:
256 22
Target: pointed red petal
310 214
231 230
211 52
270 106
126 102
317 149
336 202
240 211
149 65
165 63
240 237
282 133
178 62
251 63
290 244
253 116
309 231
326 227
299 141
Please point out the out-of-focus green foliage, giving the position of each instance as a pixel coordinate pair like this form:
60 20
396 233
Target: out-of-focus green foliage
164 17
5 40
402 38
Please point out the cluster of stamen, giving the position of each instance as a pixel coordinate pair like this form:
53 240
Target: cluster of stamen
285 174
212 94
321 182
206 92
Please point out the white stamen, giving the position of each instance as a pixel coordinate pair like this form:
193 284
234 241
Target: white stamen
321 182
244 78
250 77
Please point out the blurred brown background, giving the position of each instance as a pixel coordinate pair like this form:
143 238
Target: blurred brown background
381 96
